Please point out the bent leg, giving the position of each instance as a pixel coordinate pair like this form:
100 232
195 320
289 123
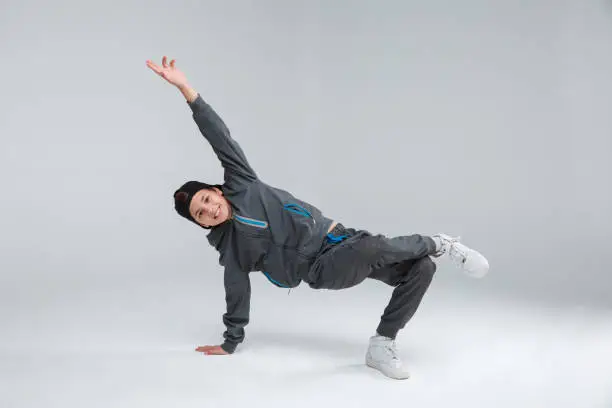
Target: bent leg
411 280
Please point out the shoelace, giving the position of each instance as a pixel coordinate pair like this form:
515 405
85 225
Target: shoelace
456 253
392 350
449 247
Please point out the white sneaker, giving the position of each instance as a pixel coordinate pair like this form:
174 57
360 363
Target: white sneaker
382 356
472 262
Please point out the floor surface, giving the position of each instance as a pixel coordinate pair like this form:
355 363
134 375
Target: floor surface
132 345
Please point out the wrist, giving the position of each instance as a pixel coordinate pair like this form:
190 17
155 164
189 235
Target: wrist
188 92
228 347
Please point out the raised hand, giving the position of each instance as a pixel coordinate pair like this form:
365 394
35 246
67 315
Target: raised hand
213 350
169 72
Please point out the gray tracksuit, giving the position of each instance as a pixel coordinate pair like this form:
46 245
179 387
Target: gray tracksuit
287 239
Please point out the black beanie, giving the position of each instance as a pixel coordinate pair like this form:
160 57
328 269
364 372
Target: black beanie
183 196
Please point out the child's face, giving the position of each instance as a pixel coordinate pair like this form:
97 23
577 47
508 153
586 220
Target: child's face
209 207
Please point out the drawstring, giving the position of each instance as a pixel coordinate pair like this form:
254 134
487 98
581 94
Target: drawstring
334 239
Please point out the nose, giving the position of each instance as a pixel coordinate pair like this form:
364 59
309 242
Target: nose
210 209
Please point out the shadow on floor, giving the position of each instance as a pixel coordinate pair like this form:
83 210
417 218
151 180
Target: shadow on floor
325 345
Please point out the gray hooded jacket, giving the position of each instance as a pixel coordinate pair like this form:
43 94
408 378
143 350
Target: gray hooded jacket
270 230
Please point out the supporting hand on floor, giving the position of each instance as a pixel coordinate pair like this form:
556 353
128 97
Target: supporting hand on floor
212 350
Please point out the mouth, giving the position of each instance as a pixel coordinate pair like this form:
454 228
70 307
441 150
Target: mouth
217 212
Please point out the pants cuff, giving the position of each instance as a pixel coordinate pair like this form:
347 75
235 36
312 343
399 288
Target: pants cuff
386 331
431 245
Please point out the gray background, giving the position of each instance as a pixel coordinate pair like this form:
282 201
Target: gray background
488 120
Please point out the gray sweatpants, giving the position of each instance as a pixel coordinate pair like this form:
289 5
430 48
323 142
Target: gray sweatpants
349 256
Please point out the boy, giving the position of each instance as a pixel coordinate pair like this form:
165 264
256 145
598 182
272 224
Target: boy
257 227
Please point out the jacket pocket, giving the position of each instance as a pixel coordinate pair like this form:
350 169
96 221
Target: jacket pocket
298 209
251 222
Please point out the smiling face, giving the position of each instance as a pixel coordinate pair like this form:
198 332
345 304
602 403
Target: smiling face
209 207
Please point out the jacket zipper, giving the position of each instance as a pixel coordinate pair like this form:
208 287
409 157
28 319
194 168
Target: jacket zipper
280 285
298 209
251 221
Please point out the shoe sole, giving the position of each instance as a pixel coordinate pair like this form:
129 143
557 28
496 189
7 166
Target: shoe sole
375 367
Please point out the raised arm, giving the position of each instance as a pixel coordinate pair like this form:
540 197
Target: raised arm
238 172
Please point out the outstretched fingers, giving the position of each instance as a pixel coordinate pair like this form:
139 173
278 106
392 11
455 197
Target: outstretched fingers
165 65
154 67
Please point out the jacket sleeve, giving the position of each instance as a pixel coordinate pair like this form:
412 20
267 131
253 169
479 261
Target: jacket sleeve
238 300
234 162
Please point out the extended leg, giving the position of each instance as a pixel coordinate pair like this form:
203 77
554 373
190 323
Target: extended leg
351 261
